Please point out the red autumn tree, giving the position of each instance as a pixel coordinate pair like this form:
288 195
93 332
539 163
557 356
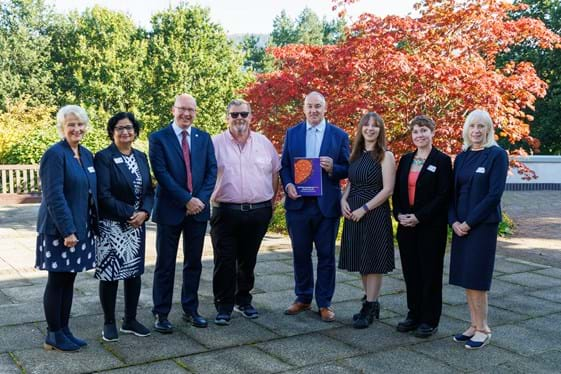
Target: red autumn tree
442 64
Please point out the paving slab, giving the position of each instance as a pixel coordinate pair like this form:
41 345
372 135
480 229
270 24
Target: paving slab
7 365
240 332
397 361
160 367
91 358
308 349
234 360
496 316
327 368
550 272
274 282
551 294
11 314
20 337
525 304
544 363
303 323
4 299
531 280
510 265
273 267
25 294
377 337
522 340
132 349
454 354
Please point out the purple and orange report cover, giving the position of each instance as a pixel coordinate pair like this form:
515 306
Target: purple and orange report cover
307 176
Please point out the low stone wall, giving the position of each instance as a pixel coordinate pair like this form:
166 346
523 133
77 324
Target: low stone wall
548 170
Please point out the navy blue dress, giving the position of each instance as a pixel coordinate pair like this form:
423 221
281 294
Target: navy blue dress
473 256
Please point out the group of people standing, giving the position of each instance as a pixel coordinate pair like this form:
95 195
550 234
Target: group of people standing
94 209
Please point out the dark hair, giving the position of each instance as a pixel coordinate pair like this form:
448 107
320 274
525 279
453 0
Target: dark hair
379 150
422 120
119 116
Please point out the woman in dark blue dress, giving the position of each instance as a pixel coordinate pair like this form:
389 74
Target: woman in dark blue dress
66 223
474 214
126 196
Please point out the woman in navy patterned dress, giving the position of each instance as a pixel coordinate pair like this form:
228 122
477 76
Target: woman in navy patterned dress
367 243
125 195
66 223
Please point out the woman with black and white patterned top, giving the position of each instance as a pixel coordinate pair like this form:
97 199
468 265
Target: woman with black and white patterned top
125 196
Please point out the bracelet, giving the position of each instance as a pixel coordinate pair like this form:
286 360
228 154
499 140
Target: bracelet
365 207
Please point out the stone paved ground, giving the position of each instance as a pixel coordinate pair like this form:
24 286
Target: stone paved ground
525 314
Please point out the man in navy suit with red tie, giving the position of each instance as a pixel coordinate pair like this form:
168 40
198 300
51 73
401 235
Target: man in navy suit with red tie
184 165
313 221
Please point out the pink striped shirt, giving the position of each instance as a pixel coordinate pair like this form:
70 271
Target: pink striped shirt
245 174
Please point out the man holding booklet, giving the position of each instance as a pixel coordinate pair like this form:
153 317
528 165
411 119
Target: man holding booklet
312 203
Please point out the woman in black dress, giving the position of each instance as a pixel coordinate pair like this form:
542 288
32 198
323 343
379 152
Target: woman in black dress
367 243
66 224
475 212
420 205
125 197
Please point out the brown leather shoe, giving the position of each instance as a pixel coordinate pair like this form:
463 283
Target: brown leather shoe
327 314
297 307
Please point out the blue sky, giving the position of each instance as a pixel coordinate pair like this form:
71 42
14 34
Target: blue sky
240 16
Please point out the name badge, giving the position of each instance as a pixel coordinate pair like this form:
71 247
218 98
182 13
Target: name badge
118 160
91 169
480 170
431 168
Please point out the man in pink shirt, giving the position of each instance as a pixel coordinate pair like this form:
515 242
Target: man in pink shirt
247 182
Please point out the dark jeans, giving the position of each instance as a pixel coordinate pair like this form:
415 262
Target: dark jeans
236 238
57 300
167 241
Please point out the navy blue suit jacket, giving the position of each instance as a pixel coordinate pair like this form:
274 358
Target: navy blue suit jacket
335 144
166 158
66 185
485 188
115 184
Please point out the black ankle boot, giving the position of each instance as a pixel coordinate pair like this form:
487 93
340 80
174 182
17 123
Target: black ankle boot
366 315
376 309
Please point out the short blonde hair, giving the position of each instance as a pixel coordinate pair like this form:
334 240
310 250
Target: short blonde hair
67 110
483 117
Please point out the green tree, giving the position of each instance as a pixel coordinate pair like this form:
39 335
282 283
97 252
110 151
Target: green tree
309 29
334 30
284 30
188 53
24 52
547 116
97 59
256 58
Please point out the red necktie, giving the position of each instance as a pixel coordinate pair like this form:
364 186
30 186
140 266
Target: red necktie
187 158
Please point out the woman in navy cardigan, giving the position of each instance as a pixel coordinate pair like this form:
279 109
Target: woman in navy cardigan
474 214
420 205
126 196
66 223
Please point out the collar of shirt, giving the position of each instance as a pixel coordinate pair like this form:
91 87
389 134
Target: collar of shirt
231 138
320 127
178 130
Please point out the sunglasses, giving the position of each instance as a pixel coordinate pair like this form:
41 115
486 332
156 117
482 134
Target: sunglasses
237 114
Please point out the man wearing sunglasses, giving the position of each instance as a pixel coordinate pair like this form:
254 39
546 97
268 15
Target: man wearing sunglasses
184 165
248 179
314 220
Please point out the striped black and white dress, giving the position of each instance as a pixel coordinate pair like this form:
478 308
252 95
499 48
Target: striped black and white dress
121 247
367 245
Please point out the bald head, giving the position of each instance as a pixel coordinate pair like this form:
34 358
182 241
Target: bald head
184 110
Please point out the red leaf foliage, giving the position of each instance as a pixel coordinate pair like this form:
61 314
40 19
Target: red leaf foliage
442 64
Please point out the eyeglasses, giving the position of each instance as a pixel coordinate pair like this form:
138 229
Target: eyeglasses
237 114
181 109
122 129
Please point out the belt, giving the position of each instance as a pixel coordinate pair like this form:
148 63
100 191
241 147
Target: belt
245 207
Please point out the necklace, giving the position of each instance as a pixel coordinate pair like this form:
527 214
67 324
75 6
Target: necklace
417 161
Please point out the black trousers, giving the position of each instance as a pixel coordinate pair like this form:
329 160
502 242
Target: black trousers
236 238
422 259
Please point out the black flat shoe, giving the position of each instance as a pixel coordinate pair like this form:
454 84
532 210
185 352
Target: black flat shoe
425 331
162 325
407 325
195 320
